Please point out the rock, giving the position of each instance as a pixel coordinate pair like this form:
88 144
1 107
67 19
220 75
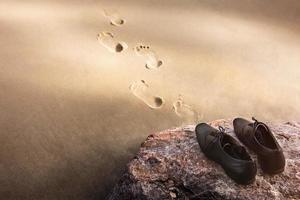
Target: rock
170 165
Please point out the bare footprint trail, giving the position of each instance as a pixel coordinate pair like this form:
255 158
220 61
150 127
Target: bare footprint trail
142 91
185 111
152 59
108 40
114 18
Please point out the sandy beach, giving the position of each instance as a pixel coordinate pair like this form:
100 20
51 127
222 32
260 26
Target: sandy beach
70 122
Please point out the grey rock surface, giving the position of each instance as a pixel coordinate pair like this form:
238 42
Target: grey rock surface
170 165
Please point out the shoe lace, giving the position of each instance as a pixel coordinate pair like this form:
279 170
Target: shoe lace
256 123
219 136
259 136
221 130
221 133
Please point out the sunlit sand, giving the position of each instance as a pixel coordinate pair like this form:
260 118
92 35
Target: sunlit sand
68 121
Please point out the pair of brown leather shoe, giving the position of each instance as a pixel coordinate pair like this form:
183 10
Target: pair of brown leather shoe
234 158
258 137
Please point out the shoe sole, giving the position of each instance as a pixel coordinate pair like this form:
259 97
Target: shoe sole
278 171
238 181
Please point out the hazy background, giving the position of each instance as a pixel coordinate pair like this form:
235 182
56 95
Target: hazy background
68 122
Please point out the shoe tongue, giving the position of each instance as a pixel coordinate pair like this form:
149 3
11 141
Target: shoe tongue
259 133
259 137
227 146
233 150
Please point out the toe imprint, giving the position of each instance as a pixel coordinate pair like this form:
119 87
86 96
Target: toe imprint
114 18
152 60
185 111
141 90
107 40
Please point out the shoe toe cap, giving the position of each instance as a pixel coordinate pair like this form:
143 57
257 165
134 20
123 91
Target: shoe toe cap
243 173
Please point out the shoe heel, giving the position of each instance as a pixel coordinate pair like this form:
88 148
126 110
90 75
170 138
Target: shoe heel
272 164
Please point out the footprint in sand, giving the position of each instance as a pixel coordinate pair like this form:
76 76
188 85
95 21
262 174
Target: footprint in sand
141 90
152 60
114 18
107 40
185 111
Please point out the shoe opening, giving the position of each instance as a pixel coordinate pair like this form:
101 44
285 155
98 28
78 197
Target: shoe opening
234 150
265 137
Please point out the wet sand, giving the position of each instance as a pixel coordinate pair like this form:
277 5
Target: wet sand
69 121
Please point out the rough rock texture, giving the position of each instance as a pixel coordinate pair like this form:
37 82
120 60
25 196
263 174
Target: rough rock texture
170 165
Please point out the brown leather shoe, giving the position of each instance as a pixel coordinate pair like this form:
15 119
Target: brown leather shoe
225 150
258 137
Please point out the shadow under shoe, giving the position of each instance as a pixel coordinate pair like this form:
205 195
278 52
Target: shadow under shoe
258 137
226 151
